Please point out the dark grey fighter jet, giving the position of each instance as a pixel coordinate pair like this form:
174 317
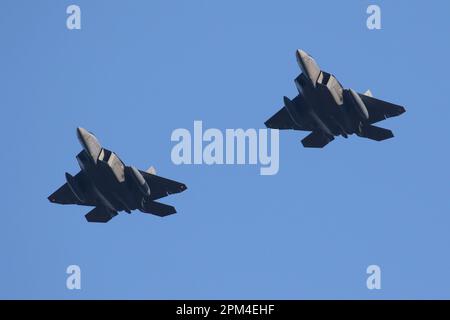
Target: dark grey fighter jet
106 183
324 107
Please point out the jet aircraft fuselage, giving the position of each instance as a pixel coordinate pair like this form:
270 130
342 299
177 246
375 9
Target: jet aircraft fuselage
324 107
108 184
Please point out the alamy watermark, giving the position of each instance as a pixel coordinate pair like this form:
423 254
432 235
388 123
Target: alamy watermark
73 281
235 146
374 279
374 20
73 21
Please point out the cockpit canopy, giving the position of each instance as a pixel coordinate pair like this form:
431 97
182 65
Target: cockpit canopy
114 162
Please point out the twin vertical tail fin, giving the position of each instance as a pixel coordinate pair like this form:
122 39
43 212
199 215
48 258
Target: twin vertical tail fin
368 93
151 170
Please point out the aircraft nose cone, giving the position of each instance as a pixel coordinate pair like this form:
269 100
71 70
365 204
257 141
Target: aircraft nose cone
301 55
308 66
82 133
89 142
85 137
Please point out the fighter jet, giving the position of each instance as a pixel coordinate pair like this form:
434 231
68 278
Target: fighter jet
324 107
106 183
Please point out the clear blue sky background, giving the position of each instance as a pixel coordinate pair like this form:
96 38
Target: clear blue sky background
139 69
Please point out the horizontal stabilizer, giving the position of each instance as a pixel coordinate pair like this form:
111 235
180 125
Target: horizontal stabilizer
158 209
99 214
317 139
376 133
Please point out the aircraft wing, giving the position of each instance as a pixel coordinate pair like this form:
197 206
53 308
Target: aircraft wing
282 119
64 194
161 187
380 110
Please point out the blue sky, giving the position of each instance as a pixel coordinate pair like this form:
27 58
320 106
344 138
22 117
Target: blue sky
137 70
